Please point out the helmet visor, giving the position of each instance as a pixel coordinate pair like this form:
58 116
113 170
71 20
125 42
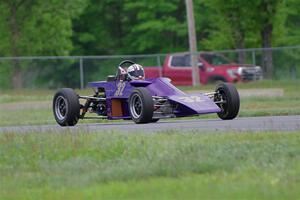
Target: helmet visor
137 73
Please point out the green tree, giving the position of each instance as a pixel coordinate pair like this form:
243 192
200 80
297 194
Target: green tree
204 16
287 23
158 26
101 28
131 27
287 32
265 21
233 26
36 27
241 24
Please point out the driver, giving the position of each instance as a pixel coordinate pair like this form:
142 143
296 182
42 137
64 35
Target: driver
122 74
135 72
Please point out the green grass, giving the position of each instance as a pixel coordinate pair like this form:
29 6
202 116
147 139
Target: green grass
29 116
13 96
270 106
167 165
35 107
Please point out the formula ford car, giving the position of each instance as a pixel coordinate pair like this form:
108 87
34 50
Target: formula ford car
143 101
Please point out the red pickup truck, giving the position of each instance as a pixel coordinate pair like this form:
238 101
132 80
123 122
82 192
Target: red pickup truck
212 68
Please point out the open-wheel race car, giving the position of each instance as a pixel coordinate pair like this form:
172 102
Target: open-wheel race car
127 95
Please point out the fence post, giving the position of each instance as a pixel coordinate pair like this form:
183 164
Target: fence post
159 65
81 73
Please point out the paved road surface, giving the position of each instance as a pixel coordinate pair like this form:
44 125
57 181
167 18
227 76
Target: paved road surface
273 123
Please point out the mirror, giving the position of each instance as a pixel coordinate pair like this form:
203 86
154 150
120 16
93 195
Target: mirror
201 66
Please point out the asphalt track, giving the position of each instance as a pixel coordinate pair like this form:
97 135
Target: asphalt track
272 123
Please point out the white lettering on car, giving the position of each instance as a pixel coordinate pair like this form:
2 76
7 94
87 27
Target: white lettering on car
191 99
120 88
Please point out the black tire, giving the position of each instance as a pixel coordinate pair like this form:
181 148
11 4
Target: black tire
66 107
154 120
231 107
141 106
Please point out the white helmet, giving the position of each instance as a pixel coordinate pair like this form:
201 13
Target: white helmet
135 72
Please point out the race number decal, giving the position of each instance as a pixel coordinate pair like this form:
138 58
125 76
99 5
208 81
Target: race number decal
190 99
120 88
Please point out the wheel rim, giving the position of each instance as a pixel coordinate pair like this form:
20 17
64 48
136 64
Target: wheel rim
136 106
222 97
61 108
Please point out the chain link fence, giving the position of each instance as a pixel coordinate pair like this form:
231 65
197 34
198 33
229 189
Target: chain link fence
77 71
284 61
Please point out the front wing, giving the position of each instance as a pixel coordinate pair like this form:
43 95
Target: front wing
193 105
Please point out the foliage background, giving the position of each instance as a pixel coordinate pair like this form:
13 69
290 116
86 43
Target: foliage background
102 27
110 27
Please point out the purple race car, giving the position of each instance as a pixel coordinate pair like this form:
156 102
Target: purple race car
143 101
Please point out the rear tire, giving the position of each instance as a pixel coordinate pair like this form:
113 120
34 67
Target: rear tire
230 108
141 106
66 107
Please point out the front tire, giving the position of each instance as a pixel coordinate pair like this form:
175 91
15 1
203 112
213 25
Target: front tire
227 93
141 106
66 107
155 120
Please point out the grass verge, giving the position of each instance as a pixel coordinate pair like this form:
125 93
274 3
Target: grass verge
167 165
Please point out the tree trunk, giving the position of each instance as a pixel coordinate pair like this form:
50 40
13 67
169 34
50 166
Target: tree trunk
241 45
17 74
17 77
239 36
267 59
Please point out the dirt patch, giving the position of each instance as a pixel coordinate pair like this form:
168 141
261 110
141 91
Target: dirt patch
275 92
261 92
